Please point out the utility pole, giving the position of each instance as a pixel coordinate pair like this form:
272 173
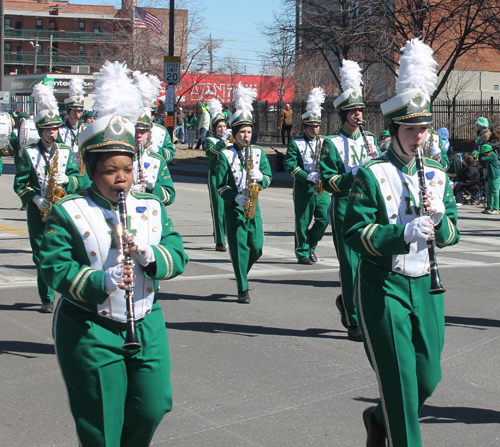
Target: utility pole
50 54
36 52
212 46
2 28
170 116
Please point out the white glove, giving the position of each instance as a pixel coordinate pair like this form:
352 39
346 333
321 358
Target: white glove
241 200
148 180
113 278
313 177
227 134
61 179
41 202
256 175
419 228
136 188
437 209
435 153
144 253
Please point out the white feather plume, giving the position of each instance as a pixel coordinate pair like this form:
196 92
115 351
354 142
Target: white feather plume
44 97
243 98
147 90
76 87
350 76
417 69
115 94
315 99
215 107
156 84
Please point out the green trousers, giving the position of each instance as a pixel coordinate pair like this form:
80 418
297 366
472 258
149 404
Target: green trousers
309 206
245 238
36 227
216 208
403 335
348 259
117 397
493 194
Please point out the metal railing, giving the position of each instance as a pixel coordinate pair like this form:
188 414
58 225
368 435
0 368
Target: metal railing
62 36
43 59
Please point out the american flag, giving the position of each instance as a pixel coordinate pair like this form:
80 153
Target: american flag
146 20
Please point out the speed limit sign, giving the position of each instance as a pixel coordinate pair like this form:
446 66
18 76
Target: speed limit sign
172 69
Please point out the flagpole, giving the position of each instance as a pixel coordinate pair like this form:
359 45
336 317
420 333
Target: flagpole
171 14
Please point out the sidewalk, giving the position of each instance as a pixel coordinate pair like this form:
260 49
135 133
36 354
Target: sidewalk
193 163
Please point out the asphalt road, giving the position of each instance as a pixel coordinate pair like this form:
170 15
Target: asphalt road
278 372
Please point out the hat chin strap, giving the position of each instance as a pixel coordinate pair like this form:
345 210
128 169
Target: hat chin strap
398 140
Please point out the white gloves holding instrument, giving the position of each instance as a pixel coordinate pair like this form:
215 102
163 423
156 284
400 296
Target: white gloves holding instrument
435 153
227 134
144 253
241 200
41 202
113 278
313 177
419 228
256 175
437 209
61 179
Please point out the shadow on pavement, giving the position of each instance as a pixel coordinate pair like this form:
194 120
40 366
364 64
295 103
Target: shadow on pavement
21 348
300 282
21 306
470 321
252 331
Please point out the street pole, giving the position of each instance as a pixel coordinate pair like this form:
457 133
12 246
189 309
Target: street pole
36 52
211 51
2 31
50 54
170 122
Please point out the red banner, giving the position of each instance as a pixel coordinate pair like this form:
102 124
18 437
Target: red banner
195 88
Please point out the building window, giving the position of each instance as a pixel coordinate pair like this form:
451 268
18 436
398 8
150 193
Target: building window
97 53
39 24
19 24
52 25
81 50
7 48
97 27
495 87
81 26
7 23
7 70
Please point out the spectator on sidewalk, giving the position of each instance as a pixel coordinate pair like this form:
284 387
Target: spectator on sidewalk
190 123
179 120
467 179
203 126
286 124
492 174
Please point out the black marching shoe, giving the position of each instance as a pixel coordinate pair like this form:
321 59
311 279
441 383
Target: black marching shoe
220 247
340 307
305 261
375 431
47 308
243 297
313 257
354 333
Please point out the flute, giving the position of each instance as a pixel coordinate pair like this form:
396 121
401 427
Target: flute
131 341
436 285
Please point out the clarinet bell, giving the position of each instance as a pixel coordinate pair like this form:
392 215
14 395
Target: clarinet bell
436 285
131 341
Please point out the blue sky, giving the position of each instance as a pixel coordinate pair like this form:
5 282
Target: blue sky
231 21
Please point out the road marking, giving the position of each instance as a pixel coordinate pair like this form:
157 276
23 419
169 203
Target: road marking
13 230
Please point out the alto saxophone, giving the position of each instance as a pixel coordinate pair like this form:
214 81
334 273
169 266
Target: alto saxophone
53 192
252 188
318 186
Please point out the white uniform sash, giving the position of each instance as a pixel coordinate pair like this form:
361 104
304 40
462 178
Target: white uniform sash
151 166
157 138
69 137
307 152
400 192
97 228
240 174
351 151
38 162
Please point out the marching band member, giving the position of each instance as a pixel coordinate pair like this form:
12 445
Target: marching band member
118 394
69 131
435 149
309 200
40 169
239 165
401 321
219 124
342 156
151 172
161 142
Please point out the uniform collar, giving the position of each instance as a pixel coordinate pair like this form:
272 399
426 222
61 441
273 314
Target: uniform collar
100 200
69 126
308 138
396 160
348 134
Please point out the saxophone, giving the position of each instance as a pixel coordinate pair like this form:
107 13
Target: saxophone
53 192
252 188
318 186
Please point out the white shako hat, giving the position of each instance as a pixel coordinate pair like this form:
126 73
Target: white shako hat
149 93
416 83
76 94
48 111
215 109
351 81
243 98
312 117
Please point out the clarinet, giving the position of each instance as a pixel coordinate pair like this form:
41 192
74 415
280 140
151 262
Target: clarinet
436 286
140 168
372 154
131 341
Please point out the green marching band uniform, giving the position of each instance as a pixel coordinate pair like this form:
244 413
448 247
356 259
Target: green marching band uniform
302 163
11 145
402 323
117 396
245 236
155 174
33 170
341 157
212 150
